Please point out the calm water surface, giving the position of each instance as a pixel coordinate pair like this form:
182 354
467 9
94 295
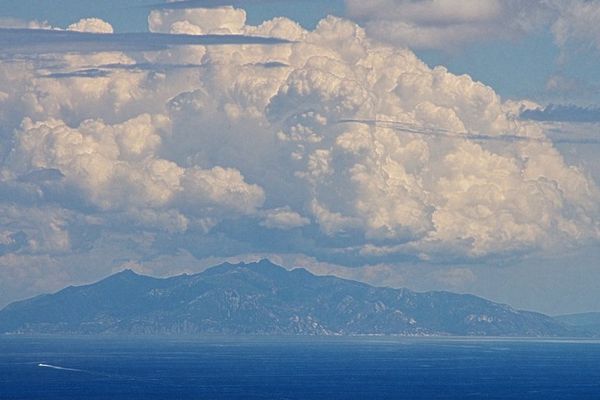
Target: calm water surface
304 369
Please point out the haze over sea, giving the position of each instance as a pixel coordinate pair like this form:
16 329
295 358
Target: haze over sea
298 368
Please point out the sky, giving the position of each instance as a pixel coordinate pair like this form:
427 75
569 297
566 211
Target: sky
430 144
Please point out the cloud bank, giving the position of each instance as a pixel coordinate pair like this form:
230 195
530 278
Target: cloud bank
447 24
241 151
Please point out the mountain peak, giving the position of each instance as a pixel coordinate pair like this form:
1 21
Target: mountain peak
266 265
125 276
263 266
126 273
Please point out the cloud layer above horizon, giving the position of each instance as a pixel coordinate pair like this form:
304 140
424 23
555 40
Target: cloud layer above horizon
221 150
448 24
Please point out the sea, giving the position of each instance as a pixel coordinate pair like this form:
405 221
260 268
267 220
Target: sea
366 368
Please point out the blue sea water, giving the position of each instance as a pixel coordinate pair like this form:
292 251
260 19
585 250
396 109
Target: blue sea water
255 368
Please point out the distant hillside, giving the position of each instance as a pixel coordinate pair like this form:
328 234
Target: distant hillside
265 299
586 322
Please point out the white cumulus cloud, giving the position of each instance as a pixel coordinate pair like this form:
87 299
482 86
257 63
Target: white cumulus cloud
284 218
93 25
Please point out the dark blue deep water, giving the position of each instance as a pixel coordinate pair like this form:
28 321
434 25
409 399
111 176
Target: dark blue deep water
250 368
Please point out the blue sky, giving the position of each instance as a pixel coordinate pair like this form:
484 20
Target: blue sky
167 153
132 15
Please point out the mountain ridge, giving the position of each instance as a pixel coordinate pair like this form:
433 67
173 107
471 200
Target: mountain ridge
264 299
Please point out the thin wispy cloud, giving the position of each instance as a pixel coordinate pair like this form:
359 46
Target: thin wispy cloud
147 66
104 70
83 73
45 41
563 113
457 135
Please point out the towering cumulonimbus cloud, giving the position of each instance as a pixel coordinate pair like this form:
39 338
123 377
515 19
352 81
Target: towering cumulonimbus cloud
188 141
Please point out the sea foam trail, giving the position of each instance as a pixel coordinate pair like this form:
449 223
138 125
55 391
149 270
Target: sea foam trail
59 368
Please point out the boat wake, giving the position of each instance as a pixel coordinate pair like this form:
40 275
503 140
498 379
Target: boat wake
59 368
83 371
